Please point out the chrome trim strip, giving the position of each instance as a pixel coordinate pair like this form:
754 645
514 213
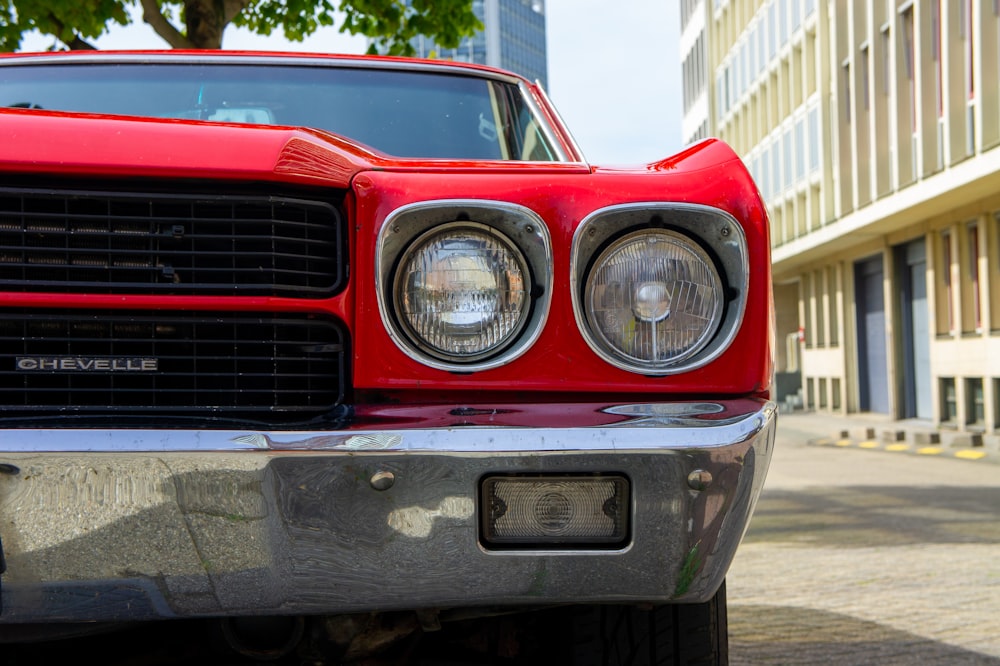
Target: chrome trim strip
716 228
550 136
521 225
580 157
296 59
632 433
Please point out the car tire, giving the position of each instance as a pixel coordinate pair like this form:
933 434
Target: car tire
613 635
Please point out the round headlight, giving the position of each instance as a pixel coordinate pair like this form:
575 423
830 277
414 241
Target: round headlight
461 292
653 298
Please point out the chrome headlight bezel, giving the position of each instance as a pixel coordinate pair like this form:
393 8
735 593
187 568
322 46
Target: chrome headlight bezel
713 234
517 227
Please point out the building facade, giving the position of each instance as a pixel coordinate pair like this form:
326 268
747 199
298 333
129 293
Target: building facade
512 38
873 131
695 70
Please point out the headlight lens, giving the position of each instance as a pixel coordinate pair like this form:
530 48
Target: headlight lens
653 298
462 292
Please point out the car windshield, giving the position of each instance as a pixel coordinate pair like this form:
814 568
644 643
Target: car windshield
407 113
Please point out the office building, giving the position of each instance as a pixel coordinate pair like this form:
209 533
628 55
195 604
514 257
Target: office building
873 131
512 38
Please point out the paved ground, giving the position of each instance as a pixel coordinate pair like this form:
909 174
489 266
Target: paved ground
859 556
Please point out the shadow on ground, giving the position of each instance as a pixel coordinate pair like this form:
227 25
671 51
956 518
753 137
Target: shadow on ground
787 636
855 516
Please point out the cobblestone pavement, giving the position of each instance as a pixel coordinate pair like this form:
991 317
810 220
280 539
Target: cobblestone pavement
867 557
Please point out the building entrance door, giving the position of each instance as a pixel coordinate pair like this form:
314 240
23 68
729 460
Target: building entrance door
911 262
873 367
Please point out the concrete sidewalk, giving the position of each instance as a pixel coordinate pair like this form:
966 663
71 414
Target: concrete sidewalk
878 432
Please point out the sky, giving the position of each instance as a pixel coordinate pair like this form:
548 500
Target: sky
614 70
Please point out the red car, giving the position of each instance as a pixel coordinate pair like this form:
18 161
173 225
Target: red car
352 356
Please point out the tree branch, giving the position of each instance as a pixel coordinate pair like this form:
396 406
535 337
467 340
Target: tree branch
80 44
77 43
152 15
232 8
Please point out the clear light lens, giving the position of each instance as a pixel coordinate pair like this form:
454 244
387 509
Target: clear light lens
653 298
462 292
652 301
555 510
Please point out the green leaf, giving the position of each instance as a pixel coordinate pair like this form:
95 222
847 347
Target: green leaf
389 24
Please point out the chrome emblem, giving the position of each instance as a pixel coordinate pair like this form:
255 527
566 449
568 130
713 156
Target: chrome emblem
86 364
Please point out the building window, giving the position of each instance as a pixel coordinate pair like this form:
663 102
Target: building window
762 46
814 139
886 60
818 299
971 307
835 393
744 69
993 275
776 166
800 149
783 21
937 37
865 78
975 410
996 393
832 289
946 301
727 87
846 70
765 170
787 165
822 393
970 75
974 242
772 29
906 21
949 401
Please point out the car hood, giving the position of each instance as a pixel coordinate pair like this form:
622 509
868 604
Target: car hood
89 144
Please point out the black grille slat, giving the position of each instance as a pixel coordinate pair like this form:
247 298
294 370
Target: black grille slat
75 240
264 365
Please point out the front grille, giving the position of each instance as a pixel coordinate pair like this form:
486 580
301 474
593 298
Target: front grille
67 239
271 367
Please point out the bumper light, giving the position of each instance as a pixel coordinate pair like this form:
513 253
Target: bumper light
565 511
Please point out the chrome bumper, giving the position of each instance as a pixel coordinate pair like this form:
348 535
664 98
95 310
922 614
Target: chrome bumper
103 525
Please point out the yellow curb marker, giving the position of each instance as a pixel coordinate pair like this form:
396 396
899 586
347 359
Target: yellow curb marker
970 455
924 451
